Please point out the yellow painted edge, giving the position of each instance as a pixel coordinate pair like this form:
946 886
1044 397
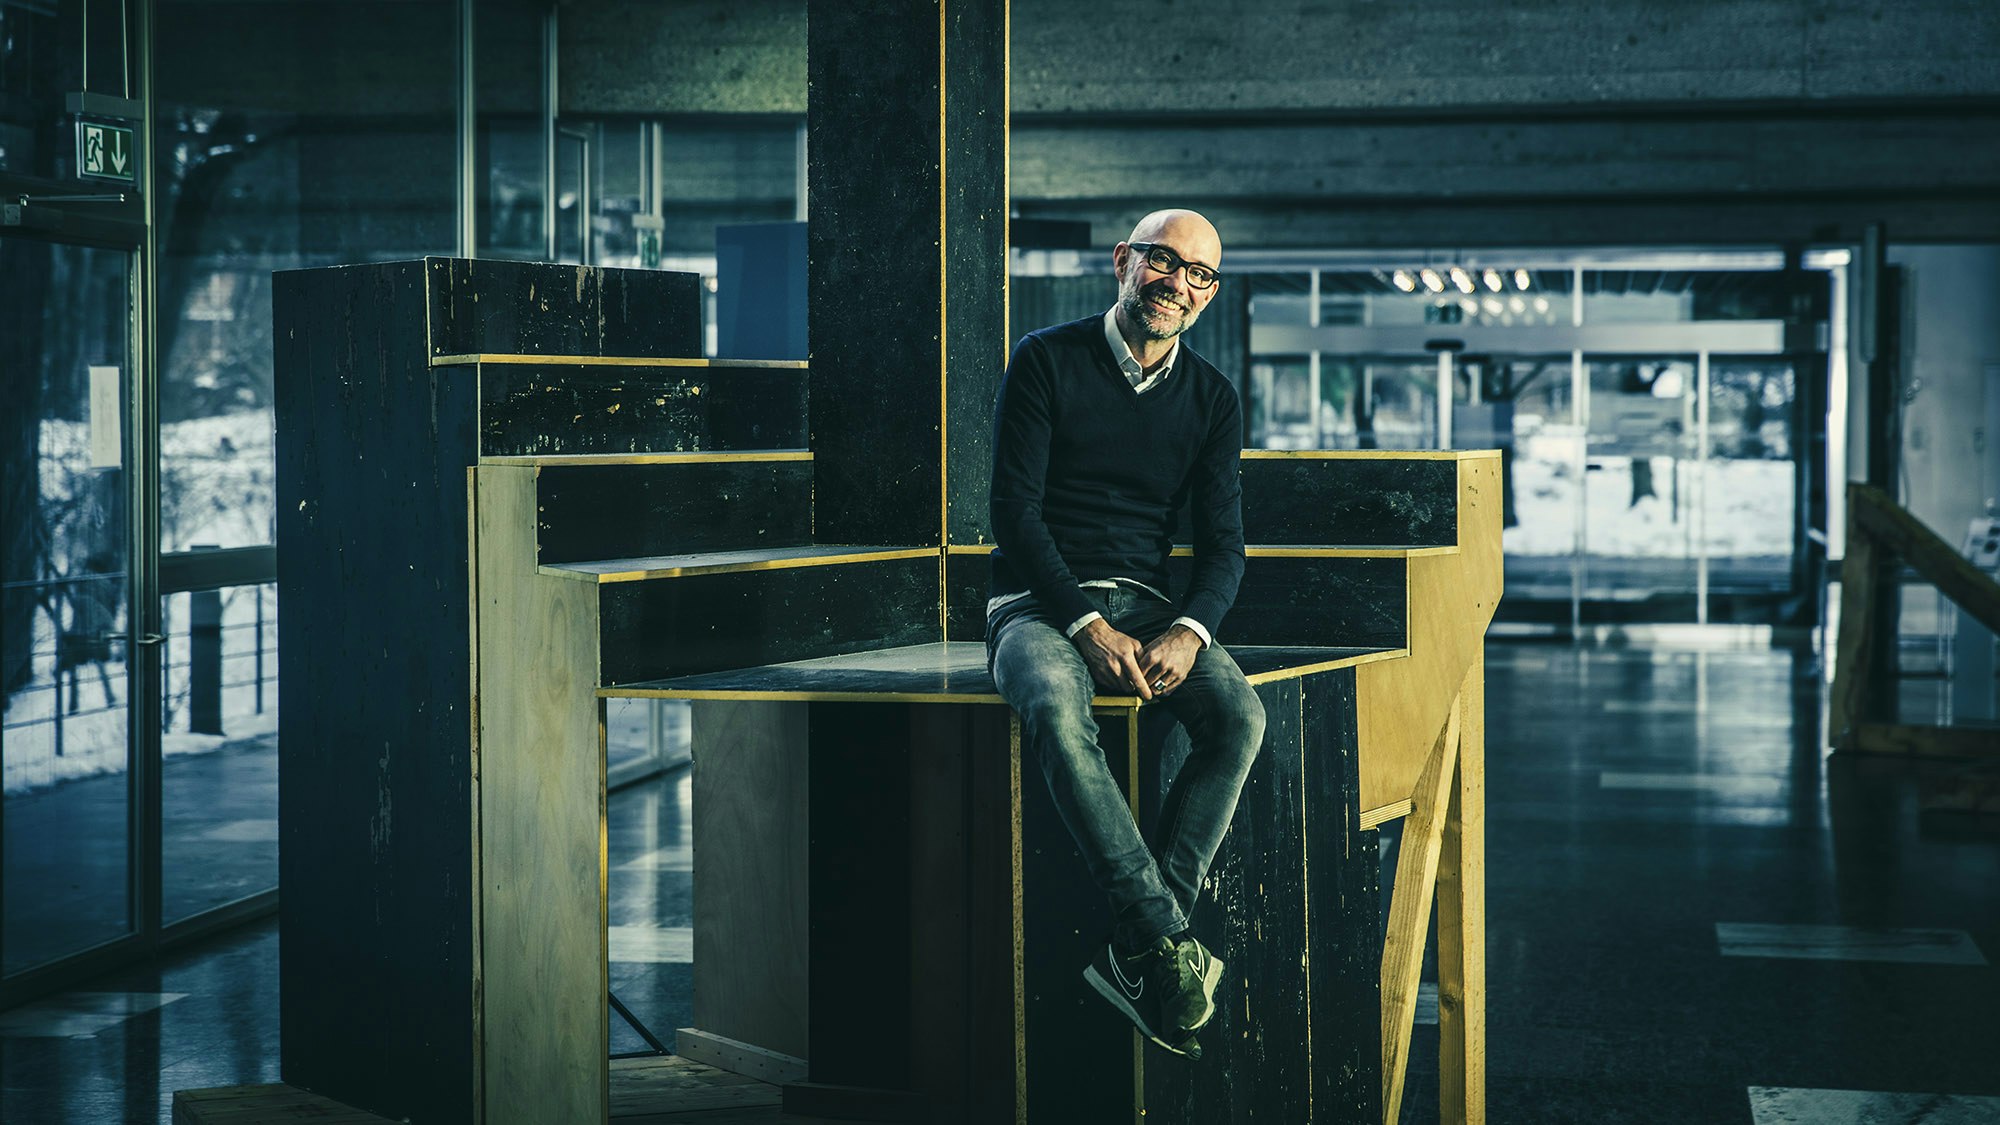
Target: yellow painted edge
499 358
1277 675
1376 818
963 549
698 569
1368 454
797 696
696 458
1298 552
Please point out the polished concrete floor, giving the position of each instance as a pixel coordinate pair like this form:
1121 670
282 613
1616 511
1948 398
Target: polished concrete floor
1693 918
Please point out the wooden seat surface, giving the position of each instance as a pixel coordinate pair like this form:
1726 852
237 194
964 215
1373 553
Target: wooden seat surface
951 672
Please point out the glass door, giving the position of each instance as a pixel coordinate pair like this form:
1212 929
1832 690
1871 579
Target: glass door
67 672
1641 518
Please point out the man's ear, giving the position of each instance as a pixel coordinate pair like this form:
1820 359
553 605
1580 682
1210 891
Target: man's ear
1120 255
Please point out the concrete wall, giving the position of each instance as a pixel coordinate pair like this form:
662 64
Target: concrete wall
1951 363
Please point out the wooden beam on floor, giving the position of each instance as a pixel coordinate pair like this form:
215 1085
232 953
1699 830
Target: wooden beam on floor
1410 910
274 1104
1854 654
1938 561
1914 741
1461 908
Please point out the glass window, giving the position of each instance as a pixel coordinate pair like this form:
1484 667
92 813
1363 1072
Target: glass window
64 738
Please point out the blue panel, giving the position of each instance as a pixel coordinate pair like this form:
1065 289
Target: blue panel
760 295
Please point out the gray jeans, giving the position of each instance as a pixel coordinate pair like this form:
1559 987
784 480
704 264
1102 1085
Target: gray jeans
1039 671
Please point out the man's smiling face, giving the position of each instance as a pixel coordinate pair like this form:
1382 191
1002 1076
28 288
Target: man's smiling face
1164 305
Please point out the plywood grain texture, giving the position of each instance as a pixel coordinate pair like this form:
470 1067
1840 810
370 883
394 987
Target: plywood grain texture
1410 910
558 408
542 878
1461 919
375 790
1403 703
752 824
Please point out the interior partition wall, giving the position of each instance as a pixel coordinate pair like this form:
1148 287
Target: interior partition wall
1664 414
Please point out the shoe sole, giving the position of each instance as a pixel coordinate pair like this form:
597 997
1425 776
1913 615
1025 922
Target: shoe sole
1110 992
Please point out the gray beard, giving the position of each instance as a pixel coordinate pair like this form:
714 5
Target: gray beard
1142 316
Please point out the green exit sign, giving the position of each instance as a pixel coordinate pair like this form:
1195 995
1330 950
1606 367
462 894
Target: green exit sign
105 152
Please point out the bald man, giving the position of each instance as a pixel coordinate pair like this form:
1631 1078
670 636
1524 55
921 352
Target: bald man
1104 428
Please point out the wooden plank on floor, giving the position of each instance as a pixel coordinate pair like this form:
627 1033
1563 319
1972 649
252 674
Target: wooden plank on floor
275 1104
734 1055
673 1084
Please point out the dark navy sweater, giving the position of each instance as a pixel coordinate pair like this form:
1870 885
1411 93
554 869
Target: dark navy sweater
1087 475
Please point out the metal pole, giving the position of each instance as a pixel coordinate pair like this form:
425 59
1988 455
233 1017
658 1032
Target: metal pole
1701 489
1579 395
468 135
550 108
1444 381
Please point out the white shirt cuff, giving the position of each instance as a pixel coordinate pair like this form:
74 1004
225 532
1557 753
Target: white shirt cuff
1197 629
1076 626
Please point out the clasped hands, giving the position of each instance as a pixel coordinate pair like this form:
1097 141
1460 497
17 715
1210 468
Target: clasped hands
1120 663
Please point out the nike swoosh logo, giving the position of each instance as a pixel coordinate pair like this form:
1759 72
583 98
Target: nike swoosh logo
1131 991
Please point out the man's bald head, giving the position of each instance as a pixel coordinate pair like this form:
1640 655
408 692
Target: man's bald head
1185 232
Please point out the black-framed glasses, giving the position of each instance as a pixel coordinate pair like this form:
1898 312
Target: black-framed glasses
1166 261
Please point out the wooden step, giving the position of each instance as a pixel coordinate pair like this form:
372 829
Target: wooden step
1346 498
953 672
1290 595
701 563
599 508
485 305
672 615
541 406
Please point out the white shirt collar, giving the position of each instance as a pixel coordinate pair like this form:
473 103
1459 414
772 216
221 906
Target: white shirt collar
1135 372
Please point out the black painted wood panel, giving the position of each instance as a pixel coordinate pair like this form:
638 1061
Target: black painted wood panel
681 626
1255 1052
860 906
1343 903
376 985
1315 601
1345 502
538 409
907 271
534 308
968 581
975 240
636 511
1079 1046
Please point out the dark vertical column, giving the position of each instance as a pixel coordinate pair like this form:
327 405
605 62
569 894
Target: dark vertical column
376 984
1808 306
1343 904
906 119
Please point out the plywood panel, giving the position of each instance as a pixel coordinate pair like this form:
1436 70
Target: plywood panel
751 831
1403 703
542 876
